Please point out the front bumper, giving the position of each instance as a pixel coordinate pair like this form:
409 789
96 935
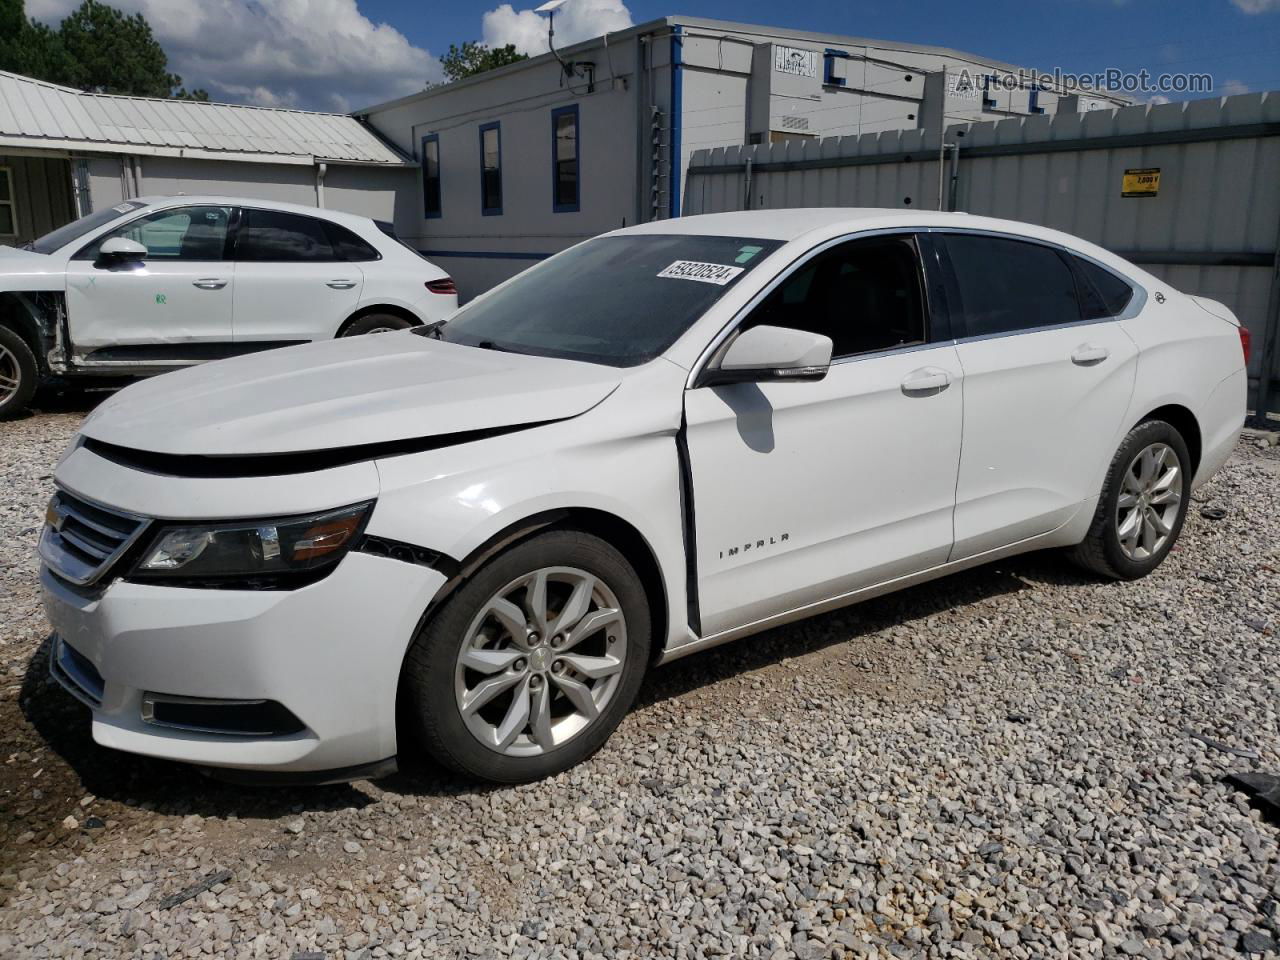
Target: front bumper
329 652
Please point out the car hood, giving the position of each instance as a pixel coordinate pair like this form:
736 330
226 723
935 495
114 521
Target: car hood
359 392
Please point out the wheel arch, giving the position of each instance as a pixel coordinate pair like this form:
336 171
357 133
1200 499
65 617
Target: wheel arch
389 308
609 527
1184 421
17 313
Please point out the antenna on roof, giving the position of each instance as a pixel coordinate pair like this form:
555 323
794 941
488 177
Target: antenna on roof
550 8
588 68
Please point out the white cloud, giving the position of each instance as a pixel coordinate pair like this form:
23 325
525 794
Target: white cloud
316 54
1257 6
576 20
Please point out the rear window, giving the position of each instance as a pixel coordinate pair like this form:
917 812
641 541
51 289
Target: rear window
1009 285
349 246
1102 293
278 237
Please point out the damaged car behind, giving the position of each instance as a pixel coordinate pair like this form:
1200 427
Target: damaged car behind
475 537
154 284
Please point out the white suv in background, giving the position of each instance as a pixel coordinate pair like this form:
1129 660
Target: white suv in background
659 440
153 284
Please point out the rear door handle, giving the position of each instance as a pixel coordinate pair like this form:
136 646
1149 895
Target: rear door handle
926 380
1088 353
210 283
340 284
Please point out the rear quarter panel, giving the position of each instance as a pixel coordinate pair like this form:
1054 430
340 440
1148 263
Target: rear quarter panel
1189 357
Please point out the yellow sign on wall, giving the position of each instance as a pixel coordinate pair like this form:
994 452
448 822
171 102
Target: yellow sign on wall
1141 183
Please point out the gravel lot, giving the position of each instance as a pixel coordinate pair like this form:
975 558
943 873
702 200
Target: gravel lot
997 764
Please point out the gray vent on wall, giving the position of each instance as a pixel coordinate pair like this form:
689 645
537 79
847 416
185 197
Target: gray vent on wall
795 123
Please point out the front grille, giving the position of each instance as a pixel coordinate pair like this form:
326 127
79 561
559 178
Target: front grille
76 673
82 540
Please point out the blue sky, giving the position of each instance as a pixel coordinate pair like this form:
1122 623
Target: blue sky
345 54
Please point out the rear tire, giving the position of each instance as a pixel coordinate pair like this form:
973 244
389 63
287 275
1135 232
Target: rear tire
1143 504
532 663
18 373
376 323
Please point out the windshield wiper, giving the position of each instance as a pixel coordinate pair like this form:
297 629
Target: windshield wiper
431 329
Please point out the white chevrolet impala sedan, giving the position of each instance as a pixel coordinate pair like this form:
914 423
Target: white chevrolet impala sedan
476 536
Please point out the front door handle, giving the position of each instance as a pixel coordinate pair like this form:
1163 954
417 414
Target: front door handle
210 283
1088 354
926 380
340 284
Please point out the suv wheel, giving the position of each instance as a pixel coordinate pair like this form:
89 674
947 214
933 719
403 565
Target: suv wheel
1143 504
376 323
528 668
18 372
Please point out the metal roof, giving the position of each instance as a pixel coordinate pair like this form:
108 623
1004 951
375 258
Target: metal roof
36 114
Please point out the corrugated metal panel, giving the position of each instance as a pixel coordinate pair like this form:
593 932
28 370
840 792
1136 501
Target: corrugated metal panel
1212 230
38 111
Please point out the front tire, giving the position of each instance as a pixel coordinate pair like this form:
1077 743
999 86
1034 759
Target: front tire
531 664
18 373
1143 504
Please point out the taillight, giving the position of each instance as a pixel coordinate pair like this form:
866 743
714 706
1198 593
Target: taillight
443 285
1246 342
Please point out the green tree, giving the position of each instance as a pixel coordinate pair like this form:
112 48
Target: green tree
97 48
472 58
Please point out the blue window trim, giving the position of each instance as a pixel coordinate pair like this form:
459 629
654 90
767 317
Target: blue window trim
829 57
427 214
677 108
491 211
556 114
1033 101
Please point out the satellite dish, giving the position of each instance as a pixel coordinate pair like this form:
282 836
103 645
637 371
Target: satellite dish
550 6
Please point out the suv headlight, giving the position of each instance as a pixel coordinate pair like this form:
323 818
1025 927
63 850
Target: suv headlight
264 553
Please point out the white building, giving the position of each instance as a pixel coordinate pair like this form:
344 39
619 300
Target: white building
520 162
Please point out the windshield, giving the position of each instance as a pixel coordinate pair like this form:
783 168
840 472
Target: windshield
618 300
67 233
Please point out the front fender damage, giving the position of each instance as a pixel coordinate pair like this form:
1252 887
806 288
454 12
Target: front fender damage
40 317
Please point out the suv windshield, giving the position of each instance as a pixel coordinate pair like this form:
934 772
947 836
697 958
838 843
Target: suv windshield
614 300
69 232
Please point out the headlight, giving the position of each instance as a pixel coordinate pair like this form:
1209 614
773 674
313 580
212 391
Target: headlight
284 552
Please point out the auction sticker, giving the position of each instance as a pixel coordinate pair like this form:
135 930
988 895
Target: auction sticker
717 273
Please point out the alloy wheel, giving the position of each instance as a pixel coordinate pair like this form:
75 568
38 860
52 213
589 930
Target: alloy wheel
540 661
1150 497
10 375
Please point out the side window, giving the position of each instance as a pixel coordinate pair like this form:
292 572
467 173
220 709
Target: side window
490 169
270 235
431 176
1102 293
1009 285
348 246
564 159
865 295
182 233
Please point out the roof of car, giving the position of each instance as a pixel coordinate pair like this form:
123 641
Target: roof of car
337 216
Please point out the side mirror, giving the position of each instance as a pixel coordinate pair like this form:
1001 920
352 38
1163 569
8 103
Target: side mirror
766 353
122 249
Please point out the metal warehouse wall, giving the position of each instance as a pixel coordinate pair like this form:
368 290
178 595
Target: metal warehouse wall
1213 228
41 195
367 190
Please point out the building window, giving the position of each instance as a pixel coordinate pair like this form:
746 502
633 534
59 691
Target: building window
564 160
431 176
491 169
1033 101
8 213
